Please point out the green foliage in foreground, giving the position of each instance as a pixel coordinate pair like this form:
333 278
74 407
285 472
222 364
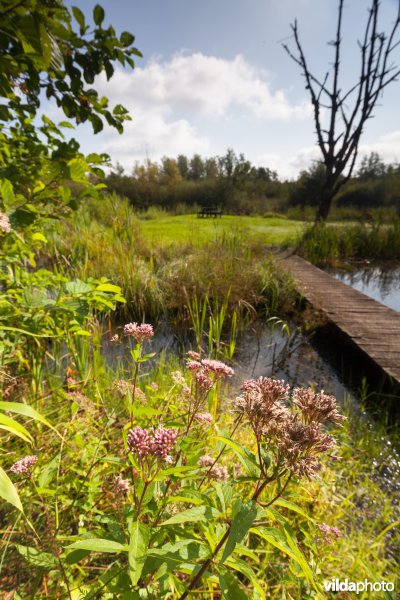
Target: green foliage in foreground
93 518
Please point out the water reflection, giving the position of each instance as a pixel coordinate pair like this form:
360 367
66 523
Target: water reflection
379 281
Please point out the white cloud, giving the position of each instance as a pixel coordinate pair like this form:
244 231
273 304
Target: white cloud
174 102
387 146
204 85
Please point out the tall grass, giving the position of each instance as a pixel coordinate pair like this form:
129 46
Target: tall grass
323 244
105 239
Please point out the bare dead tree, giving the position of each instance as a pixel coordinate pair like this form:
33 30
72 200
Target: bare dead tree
339 115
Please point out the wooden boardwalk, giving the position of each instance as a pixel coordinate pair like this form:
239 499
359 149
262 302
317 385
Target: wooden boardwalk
373 327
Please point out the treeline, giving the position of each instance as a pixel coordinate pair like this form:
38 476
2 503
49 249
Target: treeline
232 183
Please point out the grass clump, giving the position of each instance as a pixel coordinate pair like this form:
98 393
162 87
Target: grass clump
326 244
201 258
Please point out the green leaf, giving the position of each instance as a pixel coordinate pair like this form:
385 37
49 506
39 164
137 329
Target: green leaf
244 568
14 427
27 411
283 540
138 544
246 457
241 523
78 168
108 287
8 491
292 506
98 545
127 38
48 472
98 14
192 515
7 192
230 588
79 16
77 287
37 558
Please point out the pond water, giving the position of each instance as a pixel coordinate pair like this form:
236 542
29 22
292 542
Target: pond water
298 360
379 281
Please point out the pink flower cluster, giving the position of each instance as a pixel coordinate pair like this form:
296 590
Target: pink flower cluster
329 533
204 418
5 224
24 465
217 472
121 485
207 371
295 436
158 443
140 333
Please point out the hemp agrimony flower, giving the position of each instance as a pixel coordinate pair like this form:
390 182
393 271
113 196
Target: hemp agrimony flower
24 465
140 333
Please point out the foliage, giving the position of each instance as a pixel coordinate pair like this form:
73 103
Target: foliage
324 245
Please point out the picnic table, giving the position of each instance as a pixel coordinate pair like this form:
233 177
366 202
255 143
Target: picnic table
209 211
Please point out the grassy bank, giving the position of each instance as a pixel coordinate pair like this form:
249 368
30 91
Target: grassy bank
163 263
330 244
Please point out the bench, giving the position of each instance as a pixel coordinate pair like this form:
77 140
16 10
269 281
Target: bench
209 211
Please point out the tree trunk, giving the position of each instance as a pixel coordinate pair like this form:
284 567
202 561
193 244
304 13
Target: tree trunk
325 203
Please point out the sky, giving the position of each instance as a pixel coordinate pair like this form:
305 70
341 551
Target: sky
214 75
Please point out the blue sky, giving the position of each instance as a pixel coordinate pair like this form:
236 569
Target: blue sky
214 75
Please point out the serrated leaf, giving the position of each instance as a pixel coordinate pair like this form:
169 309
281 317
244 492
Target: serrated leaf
8 491
138 544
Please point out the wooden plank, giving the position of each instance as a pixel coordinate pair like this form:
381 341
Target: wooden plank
373 327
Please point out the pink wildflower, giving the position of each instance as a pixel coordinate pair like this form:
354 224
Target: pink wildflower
158 443
205 418
163 442
205 461
5 224
193 355
121 485
114 339
139 442
193 365
329 533
24 465
204 381
218 368
140 333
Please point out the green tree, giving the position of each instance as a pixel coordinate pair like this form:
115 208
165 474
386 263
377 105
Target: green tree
46 50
